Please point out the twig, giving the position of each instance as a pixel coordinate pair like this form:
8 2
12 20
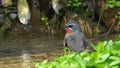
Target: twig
100 16
109 30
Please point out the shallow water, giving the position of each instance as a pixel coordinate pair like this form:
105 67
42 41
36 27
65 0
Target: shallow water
21 50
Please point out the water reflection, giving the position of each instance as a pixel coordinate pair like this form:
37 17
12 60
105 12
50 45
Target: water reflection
26 59
20 51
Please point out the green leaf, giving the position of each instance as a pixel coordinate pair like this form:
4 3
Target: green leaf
119 23
68 5
94 46
44 62
84 54
118 4
114 58
37 65
42 18
114 63
109 45
118 38
101 46
102 58
80 61
115 52
115 66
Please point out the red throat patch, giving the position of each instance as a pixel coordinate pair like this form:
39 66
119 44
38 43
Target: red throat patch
68 31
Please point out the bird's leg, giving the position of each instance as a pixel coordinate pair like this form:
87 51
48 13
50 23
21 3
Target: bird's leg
64 48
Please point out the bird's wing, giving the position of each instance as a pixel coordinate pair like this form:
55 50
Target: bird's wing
76 42
86 43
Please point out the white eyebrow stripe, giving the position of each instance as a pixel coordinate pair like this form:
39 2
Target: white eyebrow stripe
70 29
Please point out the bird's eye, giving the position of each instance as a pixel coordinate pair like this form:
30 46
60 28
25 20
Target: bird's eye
70 26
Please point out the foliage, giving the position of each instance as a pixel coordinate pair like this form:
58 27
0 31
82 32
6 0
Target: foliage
74 3
45 20
5 26
106 55
80 7
113 3
118 17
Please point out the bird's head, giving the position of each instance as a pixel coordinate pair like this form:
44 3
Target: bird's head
72 26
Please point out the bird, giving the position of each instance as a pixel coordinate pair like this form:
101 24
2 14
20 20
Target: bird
58 4
75 39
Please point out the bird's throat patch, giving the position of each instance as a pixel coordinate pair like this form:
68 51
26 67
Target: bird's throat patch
68 31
